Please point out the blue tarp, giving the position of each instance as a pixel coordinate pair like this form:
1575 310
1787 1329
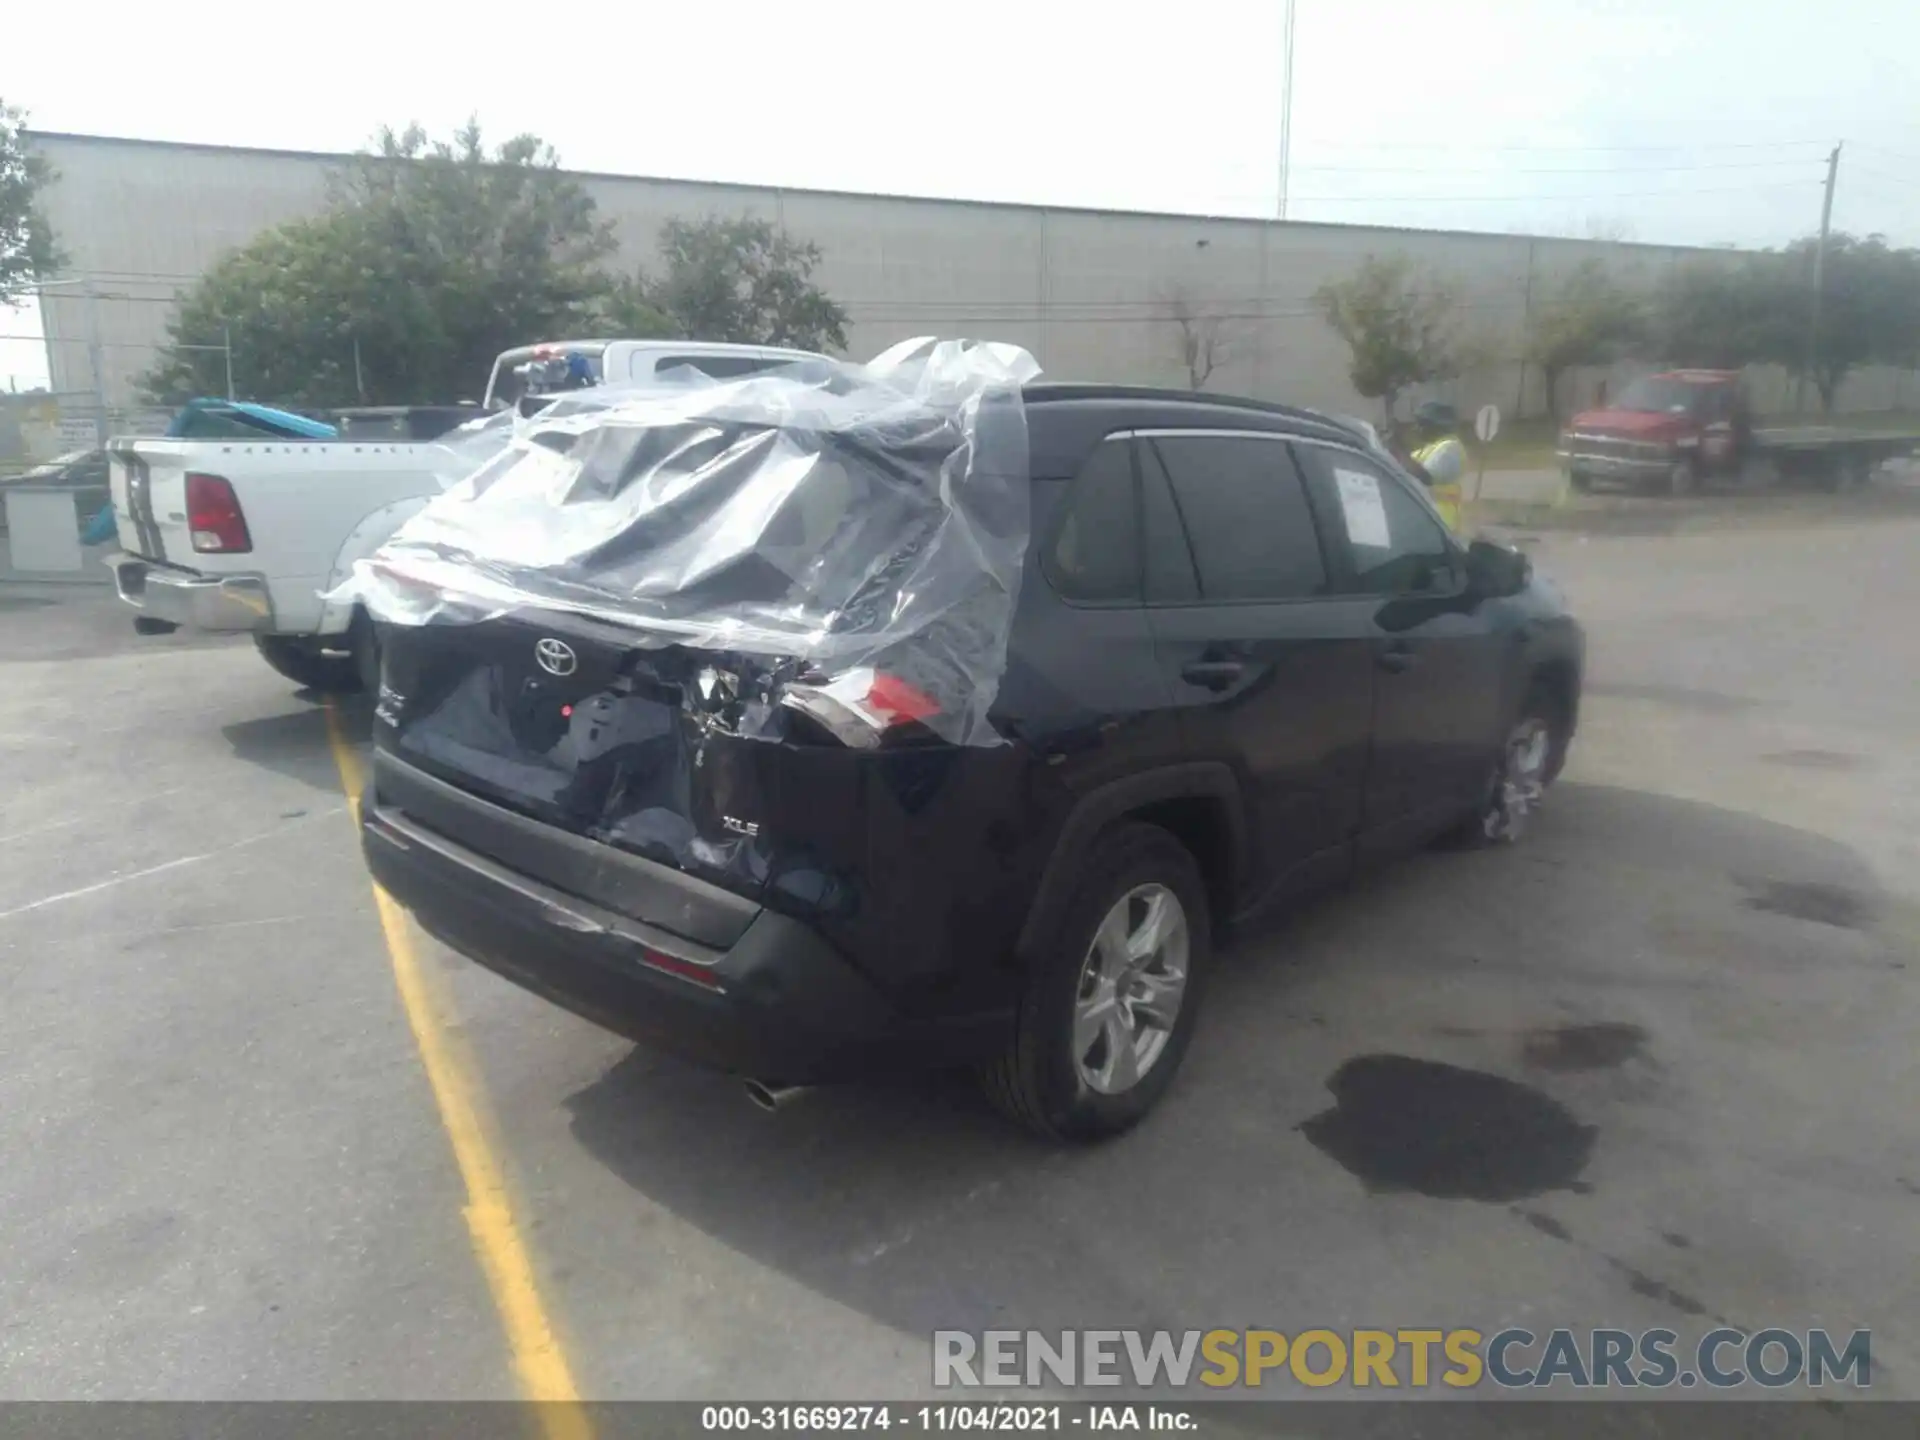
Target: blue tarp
242 417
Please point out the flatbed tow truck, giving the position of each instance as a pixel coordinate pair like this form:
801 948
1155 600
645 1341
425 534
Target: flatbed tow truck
1681 431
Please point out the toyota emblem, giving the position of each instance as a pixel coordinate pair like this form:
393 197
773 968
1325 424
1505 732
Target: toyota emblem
556 657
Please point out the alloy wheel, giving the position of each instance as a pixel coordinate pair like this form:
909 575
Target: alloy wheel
1521 782
1131 986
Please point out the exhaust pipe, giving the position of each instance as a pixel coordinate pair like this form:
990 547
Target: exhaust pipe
771 1097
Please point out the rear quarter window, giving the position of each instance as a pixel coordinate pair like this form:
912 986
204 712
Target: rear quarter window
1094 555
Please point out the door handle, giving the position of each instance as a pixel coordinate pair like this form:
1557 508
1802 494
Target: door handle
1396 658
1213 674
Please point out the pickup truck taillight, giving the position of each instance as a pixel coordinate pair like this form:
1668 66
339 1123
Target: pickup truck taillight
213 515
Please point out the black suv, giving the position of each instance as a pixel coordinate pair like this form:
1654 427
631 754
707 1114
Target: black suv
1247 660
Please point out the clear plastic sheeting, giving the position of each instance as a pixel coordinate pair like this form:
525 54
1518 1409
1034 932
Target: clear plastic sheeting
848 537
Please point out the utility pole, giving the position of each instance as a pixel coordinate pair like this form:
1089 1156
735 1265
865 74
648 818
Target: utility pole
1526 331
226 344
1819 264
1286 105
100 427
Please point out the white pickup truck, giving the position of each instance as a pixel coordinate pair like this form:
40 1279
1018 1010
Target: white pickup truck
245 536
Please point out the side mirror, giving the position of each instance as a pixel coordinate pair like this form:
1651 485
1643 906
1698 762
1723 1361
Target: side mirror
1496 570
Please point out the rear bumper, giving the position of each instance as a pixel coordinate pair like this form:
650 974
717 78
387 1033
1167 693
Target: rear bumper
228 604
778 1004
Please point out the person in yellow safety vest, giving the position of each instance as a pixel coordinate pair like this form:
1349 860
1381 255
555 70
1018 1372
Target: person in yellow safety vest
1442 455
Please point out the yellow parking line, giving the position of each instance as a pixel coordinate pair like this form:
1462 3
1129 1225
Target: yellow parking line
538 1359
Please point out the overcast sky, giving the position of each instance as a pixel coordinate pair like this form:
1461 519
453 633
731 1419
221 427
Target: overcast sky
1691 121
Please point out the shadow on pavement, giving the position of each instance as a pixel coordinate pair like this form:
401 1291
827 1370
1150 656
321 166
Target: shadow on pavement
916 1205
296 743
50 621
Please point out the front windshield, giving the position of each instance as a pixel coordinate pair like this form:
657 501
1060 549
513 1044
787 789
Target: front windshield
1656 395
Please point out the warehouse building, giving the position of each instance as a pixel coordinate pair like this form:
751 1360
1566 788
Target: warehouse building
1096 295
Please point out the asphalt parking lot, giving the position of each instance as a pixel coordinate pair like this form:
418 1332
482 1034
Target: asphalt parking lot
229 1171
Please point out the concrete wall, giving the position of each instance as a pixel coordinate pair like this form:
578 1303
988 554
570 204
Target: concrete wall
1092 294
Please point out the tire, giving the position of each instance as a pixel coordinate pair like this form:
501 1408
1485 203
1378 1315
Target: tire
1530 760
1683 480
1847 474
297 658
363 644
1045 1082
1581 481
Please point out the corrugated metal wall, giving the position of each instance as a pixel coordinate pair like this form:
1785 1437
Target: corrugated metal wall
1093 294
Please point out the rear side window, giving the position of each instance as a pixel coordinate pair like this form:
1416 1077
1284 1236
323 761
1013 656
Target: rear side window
1170 576
1095 555
1395 544
1245 515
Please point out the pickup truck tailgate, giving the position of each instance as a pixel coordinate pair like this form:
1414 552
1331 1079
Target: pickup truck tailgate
150 504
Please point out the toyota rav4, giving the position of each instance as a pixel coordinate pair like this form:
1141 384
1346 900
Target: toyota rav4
1246 661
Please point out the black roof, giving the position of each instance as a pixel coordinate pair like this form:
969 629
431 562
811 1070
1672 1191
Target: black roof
1083 414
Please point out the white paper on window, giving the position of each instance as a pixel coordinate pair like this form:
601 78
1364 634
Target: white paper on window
1365 513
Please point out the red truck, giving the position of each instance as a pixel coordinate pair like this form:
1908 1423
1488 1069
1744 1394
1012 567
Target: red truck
1681 430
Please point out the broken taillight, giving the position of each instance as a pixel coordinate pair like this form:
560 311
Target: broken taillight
860 707
214 518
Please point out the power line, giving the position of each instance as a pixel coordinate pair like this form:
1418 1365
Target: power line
1557 170
1570 149
1888 150
1442 197
1882 175
79 340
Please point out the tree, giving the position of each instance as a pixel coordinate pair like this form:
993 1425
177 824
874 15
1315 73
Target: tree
1723 314
1869 309
744 281
430 259
1207 339
1589 319
27 251
623 308
1756 310
1401 325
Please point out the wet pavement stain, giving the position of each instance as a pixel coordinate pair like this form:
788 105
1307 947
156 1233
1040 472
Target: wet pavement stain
1398 1123
1675 1239
1908 1186
1583 1047
1642 1283
1821 903
1545 1224
1682 697
1815 759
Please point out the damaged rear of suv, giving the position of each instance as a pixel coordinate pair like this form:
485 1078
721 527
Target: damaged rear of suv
812 725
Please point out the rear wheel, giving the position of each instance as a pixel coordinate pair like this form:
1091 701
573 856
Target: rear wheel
1846 473
1112 995
302 661
1581 480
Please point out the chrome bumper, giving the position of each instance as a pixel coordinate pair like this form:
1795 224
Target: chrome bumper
1624 466
228 603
